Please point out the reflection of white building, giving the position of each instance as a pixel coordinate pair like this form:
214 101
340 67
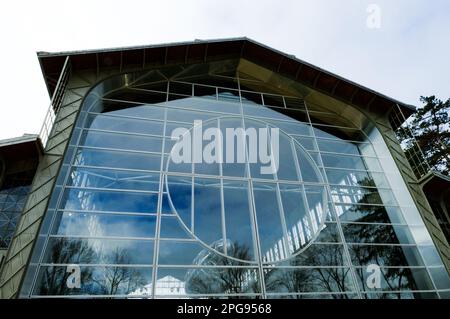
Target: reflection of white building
298 236
167 286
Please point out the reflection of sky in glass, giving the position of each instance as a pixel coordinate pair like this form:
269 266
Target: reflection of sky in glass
219 206
84 224
92 200
217 217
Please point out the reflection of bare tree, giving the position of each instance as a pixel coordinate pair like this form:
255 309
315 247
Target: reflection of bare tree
109 280
65 251
363 255
228 276
119 279
298 280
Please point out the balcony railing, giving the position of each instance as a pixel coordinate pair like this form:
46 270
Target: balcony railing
415 155
55 103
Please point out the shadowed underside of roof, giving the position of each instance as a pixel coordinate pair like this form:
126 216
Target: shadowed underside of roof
214 50
28 146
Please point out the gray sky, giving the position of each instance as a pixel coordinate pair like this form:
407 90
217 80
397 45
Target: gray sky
406 57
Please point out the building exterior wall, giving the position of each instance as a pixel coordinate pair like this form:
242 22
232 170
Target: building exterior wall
16 260
15 264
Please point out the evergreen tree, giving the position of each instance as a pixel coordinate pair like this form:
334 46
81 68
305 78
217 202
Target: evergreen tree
430 126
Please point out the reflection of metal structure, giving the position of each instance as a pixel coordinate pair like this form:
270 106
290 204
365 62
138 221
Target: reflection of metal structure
167 287
304 226
299 236
209 257
213 276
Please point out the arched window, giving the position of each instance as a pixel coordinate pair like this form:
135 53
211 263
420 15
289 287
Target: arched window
126 205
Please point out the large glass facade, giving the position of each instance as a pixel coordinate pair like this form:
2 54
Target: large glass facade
139 225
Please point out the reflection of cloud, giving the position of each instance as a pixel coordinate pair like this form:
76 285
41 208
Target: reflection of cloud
92 225
96 225
111 201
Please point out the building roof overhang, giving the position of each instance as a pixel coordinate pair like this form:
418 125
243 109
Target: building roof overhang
28 146
213 50
435 184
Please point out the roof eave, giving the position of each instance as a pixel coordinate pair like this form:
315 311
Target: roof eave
280 56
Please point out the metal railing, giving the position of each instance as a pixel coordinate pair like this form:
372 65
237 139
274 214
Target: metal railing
414 153
55 103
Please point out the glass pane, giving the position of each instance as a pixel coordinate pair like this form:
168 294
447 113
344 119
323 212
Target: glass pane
316 197
344 147
363 255
132 109
113 201
308 168
440 277
355 178
302 225
208 211
123 281
237 282
139 95
113 179
180 88
123 124
186 116
369 213
341 161
205 91
234 152
171 227
180 193
269 221
273 100
338 133
118 159
328 234
403 295
287 169
294 103
90 224
61 250
387 234
306 142
172 252
237 212
291 127
285 280
251 98
121 141
397 279
319 255
356 195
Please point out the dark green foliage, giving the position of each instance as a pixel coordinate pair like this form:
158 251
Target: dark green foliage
430 126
